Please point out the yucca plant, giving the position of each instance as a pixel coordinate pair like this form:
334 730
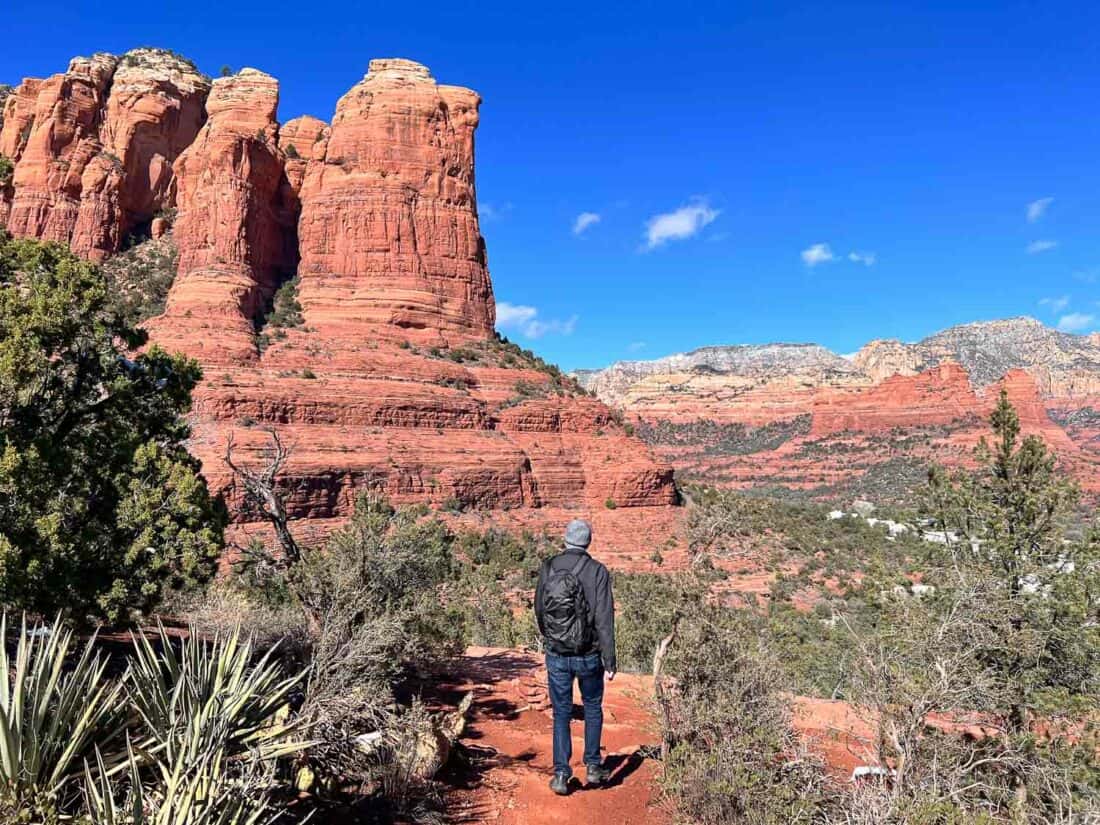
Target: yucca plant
202 698
53 714
208 792
214 724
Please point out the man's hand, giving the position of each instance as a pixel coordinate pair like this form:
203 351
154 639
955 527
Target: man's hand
610 675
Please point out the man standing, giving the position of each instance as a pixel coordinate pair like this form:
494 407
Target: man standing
576 617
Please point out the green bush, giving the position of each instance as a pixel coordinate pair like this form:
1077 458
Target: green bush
102 509
285 313
647 606
496 579
140 277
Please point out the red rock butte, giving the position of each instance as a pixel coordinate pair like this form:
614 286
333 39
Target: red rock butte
393 378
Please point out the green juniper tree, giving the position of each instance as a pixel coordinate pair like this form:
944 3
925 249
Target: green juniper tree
1029 594
101 507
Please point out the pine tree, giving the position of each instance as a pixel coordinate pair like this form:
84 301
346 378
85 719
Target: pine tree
1034 604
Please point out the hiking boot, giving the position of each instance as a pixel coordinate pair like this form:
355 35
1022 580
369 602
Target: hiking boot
560 784
598 774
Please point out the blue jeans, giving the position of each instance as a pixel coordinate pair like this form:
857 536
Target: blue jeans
588 671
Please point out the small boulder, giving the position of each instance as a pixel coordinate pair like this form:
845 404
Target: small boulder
863 508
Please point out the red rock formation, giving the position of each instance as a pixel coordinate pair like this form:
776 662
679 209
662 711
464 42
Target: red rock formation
1023 392
941 395
372 390
63 138
395 381
232 225
302 140
389 235
94 147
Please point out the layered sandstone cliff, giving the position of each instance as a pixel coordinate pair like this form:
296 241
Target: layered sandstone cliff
389 235
233 224
333 282
93 147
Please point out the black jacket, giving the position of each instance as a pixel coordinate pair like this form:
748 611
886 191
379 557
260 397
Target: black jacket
596 582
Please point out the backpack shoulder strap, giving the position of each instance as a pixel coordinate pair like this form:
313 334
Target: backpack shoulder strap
577 567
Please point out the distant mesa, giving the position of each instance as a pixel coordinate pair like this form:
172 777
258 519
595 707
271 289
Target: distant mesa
802 417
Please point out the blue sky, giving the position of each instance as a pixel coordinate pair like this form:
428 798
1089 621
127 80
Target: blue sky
736 155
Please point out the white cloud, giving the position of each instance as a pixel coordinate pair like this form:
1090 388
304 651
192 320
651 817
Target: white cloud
584 221
510 315
1076 322
492 212
1035 209
679 225
865 258
636 346
1035 247
819 253
525 320
1055 304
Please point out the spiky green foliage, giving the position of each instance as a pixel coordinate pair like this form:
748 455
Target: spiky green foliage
53 713
208 791
214 723
101 506
198 700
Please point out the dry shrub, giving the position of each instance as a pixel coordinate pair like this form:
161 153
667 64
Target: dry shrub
733 755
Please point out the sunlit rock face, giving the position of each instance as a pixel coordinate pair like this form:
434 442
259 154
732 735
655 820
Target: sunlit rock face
94 147
386 375
389 232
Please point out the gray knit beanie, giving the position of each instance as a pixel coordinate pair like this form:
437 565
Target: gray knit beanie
578 534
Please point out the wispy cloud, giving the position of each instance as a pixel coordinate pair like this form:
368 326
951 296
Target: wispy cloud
1055 304
819 253
865 258
1036 209
1035 247
1076 322
525 320
585 220
494 212
678 225
636 346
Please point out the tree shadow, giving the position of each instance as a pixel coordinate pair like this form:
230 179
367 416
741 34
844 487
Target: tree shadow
469 763
621 766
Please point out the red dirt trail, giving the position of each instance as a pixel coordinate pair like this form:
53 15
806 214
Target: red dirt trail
501 774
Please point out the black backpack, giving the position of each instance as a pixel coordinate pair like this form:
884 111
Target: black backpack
565 611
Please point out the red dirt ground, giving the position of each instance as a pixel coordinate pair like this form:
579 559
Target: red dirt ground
501 769
501 775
